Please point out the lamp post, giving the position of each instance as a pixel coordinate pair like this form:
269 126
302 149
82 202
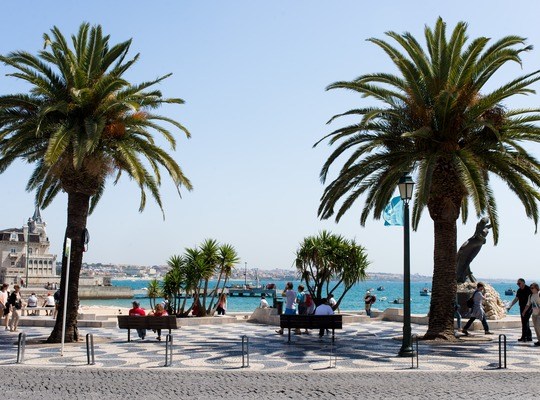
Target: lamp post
27 251
406 185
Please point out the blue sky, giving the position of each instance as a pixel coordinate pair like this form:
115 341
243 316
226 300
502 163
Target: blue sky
253 75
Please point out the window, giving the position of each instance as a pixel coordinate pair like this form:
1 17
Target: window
29 250
14 237
13 251
12 263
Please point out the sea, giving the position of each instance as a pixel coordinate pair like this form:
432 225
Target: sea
353 300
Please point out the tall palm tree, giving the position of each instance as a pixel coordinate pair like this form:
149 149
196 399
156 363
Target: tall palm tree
436 117
80 123
328 261
210 256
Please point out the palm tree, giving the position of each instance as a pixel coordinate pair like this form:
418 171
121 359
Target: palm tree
227 258
327 261
210 258
80 123
437 119
153 291
174 281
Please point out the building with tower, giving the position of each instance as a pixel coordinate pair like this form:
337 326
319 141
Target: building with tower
24 254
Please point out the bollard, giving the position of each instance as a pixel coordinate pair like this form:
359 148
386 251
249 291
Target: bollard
90 349
168 350
245 351
333 356
21 346
502 338
414 341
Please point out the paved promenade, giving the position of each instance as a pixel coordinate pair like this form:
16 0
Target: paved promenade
207 363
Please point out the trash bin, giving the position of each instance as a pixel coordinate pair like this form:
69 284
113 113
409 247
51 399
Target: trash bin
279 305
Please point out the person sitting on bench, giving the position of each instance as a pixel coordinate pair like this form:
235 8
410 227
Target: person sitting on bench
137 310
323 309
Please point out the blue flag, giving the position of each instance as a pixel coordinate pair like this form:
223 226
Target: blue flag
393 212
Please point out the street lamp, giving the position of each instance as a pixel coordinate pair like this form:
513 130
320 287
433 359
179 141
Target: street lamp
406 185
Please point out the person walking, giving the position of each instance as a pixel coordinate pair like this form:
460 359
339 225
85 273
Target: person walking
4 304
15 299
522 296
222 304
478 310
533 305
369 299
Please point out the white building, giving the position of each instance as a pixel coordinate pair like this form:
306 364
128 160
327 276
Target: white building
24 253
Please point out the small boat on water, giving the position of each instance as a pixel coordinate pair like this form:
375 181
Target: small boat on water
510 292
425 292
399 300
384 298
380 288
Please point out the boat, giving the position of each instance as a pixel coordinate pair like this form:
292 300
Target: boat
399 300
510 292
380 288
384 298
425 292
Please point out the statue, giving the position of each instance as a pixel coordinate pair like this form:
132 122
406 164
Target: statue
470 249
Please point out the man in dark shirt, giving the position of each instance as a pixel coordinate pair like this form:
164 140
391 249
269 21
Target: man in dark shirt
522 295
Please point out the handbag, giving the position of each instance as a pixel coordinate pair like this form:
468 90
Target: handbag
535 308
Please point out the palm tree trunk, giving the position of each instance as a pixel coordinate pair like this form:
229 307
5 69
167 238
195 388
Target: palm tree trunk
441 312
78 204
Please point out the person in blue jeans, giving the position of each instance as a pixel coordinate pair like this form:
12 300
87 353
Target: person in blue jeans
290 299
478 310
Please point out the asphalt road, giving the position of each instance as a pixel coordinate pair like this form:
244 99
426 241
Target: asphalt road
21 383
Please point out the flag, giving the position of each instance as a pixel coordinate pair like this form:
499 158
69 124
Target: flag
393 212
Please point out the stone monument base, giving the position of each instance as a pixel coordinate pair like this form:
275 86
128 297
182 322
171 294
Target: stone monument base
493 305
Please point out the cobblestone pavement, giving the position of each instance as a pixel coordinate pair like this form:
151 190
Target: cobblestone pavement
111 384
207 363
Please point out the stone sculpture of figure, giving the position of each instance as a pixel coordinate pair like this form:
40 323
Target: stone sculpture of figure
470 249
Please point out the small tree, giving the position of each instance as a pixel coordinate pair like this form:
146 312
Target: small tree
153 291
327 261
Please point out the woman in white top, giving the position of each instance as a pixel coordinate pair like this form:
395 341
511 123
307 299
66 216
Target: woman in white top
534 302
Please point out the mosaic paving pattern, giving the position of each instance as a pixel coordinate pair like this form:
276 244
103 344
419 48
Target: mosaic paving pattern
359 346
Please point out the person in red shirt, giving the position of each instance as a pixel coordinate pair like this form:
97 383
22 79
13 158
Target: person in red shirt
137 310
159 312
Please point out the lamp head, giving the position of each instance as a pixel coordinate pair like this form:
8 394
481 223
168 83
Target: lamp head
406 185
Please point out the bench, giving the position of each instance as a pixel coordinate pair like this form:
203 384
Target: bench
148 322
36 310
311 322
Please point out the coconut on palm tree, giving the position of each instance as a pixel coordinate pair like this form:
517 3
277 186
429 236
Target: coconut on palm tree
80 123
437 118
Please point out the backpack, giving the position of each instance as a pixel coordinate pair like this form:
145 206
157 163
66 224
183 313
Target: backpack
308 301
470 301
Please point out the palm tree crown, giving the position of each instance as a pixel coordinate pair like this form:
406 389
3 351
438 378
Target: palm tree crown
434 119
82 121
